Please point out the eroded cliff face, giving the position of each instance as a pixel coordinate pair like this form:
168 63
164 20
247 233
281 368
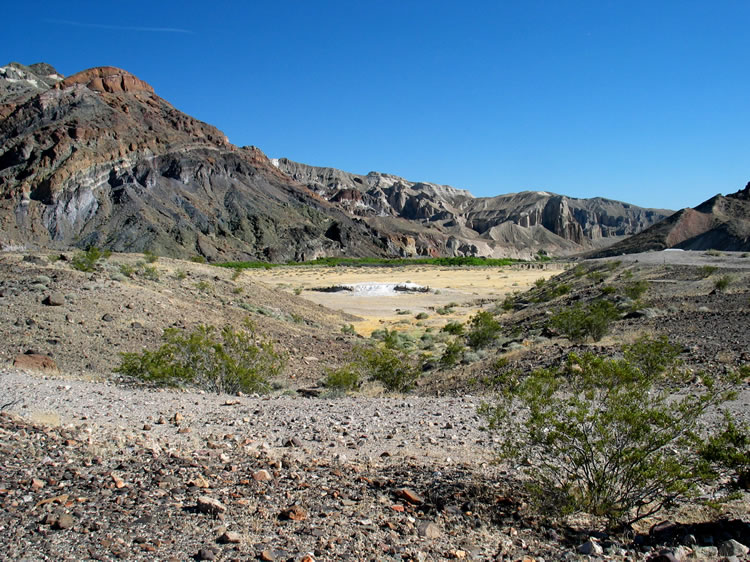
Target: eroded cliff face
99 158
443 220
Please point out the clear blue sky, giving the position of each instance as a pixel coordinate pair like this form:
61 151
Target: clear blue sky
643 101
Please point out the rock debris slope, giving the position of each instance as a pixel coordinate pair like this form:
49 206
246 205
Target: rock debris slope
99 158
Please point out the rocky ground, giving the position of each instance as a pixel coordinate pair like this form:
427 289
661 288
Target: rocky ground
92 468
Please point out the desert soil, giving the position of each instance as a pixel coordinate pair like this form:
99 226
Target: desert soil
94 467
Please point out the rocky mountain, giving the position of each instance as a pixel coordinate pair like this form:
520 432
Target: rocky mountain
99 158
720 223
444 220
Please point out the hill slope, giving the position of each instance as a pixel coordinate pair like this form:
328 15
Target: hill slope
720 223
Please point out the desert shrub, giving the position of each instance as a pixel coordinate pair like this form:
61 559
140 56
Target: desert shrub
652 354
297 290
236 273
553 290
605 436
225 360
483 330
180 274
578 323
127 270
422 316
453 328
150 257
393 339
595 276
608 290
453 353
89 260
540 282
636 289
204 286
150 272
708 270
237 290
729 451
509 302
198 259
579 271
723 282
348 329
714 253
392 368
342 379
443 310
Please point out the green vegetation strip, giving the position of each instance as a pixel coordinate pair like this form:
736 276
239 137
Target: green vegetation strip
359 262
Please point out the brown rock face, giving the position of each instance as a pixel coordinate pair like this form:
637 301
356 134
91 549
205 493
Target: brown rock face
35 362
100 159
106 79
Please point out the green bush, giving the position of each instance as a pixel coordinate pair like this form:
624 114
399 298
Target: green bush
225 360
198 259
605 435
578 323
636 289
89 260
540 282
453 328
180 274
127 270
723 282
483 330
453 353
422 316
150 272
708 270
391 367
343 379
729 451
150 257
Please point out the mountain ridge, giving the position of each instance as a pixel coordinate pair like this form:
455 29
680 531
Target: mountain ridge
99 158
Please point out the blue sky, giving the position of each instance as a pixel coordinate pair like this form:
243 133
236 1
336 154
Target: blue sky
640 101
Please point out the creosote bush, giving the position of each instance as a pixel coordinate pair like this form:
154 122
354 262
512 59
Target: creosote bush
729 451
342 379
89 260
391 367
225 360
578 323
483 330
604 436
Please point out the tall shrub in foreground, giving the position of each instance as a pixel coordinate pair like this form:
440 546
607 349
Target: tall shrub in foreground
604 436
217 360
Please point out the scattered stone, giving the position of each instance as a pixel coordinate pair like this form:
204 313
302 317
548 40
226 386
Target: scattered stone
199 482
178 418
55 298
429 530
206 554
293 442
733 548
591 547
293 513
64 521
267 555
409 495
208 504
108 317
230 537
262 476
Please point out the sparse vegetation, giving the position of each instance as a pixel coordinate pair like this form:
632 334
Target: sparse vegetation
225 360
605 434
708 270
453 328
422 316
452 354
88 261
180 274
636 289
150 257
127 270
391 367
343 379
483 330
198 259
723 282
728 452
578 323
150 272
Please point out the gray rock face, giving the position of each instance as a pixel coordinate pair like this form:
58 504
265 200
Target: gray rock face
448 221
